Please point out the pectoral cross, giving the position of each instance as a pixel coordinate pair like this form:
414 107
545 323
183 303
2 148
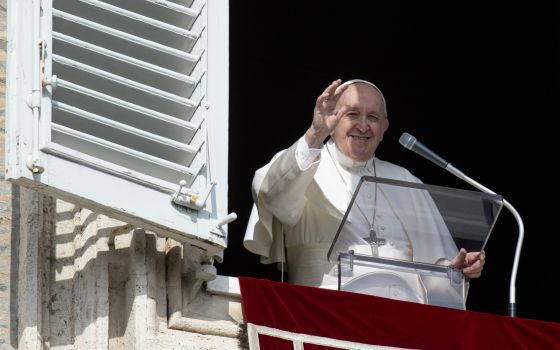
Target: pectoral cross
375 242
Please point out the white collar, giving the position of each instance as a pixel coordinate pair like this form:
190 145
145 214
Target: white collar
347 162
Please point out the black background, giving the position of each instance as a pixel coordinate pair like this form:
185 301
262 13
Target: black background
475 82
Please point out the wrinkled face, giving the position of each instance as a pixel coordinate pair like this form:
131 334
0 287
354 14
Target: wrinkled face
361 128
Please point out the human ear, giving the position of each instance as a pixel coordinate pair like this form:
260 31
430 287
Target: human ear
385 124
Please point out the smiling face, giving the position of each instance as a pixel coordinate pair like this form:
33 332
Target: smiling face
361 127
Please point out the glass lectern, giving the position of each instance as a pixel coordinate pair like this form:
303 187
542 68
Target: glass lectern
397 238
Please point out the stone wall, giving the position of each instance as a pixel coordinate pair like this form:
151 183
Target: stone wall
81 280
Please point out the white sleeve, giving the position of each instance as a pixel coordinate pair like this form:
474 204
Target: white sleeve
305 155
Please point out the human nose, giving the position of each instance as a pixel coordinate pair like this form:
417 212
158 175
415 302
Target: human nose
362 124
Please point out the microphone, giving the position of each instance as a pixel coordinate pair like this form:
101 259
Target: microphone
410 142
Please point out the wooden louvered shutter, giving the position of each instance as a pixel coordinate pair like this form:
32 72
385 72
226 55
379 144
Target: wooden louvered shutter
122 106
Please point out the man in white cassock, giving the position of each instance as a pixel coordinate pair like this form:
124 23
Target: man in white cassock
301 197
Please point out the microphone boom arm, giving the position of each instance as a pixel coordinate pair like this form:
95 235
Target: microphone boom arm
512 308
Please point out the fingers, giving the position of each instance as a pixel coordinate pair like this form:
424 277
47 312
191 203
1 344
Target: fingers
339 90
475 264
331 123
325 117
323 98
341 111
330 93
473 271
471 264
331 89
460 260
474 256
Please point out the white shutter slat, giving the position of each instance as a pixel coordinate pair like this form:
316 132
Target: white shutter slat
121 126
126 66
142 91
176 13
129 44
178 108
144 26
98 99
117 154
77 157
150 146
139 18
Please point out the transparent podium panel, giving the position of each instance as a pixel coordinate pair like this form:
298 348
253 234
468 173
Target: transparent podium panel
398 238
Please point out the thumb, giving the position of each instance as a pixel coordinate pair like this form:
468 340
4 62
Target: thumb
460 259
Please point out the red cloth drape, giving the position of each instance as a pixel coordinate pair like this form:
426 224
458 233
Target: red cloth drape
379 321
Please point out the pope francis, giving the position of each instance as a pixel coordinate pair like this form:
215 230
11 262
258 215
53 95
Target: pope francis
302 194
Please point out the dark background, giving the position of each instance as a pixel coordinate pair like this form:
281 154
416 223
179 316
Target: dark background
475 82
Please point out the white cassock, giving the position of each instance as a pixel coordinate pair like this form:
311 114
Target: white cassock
300 199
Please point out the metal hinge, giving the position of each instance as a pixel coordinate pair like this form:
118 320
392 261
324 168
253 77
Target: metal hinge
34 102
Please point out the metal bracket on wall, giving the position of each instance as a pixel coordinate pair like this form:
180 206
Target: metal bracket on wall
192 199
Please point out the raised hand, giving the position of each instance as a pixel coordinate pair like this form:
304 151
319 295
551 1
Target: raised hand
325 115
